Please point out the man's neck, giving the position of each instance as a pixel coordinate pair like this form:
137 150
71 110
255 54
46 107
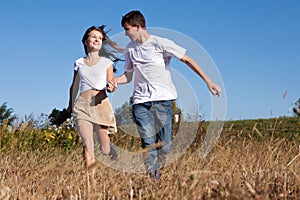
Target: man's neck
144 36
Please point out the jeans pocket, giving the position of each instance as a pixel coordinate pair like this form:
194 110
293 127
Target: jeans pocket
167 103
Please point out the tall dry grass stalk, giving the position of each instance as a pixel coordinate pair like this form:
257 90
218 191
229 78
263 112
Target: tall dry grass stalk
249 161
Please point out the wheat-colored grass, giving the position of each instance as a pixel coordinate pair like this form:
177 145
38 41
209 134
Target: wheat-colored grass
248 162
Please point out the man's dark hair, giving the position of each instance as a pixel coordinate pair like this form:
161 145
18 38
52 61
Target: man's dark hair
134 18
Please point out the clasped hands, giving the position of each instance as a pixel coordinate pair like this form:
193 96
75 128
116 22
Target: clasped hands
112 86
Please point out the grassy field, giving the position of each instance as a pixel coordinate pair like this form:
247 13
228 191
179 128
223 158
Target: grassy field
253 159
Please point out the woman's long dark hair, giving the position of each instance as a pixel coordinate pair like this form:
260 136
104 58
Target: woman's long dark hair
108 50
87 33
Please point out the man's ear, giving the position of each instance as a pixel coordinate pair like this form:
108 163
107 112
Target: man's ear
138 26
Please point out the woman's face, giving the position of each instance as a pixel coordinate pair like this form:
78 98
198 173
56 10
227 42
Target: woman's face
94 41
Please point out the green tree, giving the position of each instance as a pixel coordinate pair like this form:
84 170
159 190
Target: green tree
58 117
123 114
296 108
6 114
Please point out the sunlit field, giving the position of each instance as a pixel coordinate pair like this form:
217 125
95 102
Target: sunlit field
253 159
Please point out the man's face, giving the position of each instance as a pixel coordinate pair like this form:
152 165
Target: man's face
131 31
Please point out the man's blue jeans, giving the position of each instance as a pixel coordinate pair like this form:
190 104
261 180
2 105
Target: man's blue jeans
154 117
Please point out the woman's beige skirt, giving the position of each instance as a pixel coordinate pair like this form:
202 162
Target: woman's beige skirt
99 113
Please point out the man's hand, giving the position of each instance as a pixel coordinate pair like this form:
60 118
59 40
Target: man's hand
214 89
112 85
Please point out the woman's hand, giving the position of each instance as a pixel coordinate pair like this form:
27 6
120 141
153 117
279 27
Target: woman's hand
111 86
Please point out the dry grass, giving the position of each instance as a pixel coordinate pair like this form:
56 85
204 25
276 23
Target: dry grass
250 161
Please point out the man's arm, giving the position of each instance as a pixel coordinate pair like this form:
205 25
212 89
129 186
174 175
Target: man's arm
213 88
123 79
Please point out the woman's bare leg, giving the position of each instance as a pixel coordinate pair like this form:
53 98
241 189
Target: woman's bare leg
104 140
85 130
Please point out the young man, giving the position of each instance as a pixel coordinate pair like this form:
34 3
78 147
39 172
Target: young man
148 58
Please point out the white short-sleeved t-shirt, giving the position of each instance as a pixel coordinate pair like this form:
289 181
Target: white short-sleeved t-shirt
92 77
150 62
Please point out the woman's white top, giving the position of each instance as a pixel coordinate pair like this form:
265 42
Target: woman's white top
150 63
92 77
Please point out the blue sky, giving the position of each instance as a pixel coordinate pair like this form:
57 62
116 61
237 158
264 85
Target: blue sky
254 44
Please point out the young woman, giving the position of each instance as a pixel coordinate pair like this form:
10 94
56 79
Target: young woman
92 111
